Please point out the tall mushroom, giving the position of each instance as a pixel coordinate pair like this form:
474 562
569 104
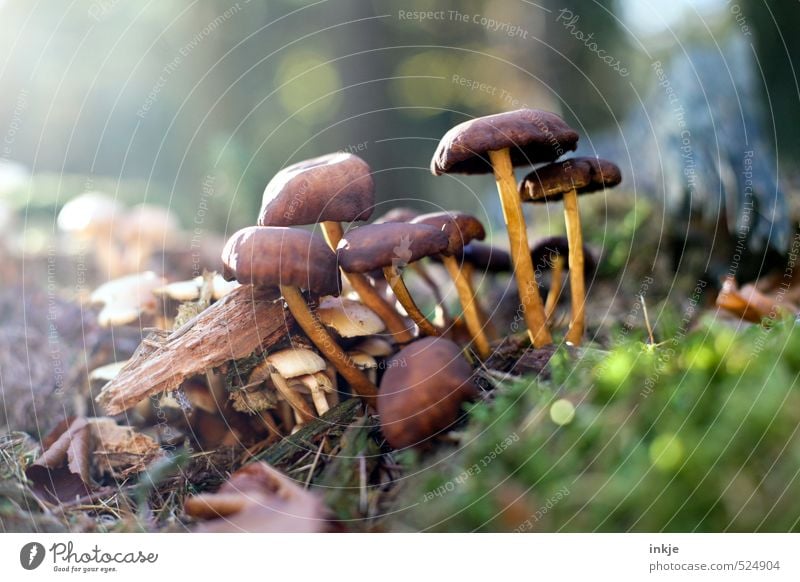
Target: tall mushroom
291 259
404 214
497 143
422 391
90 218
566 180
461 229
391 246
330 189
553 253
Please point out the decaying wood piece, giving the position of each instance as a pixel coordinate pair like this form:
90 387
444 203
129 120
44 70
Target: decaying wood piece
242 322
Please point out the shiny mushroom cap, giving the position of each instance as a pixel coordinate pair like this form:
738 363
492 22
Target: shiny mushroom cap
584 175
486 258
267 256
399 214
532 136
460 228
376 246
337 187
89 214
126 298
422 391
546 250
349 318
294 362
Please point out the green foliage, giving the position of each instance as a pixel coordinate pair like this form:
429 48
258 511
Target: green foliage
693 434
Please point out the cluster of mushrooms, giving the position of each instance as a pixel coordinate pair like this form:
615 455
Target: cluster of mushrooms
426 376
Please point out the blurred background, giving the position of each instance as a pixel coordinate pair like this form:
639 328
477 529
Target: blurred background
194 106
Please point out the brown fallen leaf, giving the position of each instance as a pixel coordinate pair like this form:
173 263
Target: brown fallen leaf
749 303
80 448
120 451
259 498
62 473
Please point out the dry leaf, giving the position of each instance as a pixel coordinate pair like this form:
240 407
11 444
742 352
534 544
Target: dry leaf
258 498
749 303
120 450
62 473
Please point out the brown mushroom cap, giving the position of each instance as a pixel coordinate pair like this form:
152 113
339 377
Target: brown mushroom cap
460 228
545 249
422 391
268 256
533 137
487 258
337 187
399 214
584 175
376 246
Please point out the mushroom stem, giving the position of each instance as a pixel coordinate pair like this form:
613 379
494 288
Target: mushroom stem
423 274
469 303
556 283
533 310
368 294
489 327
576 282
320 402
298 404
395 280
327 346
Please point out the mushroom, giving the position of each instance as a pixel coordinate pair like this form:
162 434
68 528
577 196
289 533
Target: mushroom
190 290
107 372
553 253
349 318
330 189
404 214
89 218
461 229
366 363
422 391
566 180
521 137
391 246
286 365
319 386
485 259
288 258
143 229
375 347
125 299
